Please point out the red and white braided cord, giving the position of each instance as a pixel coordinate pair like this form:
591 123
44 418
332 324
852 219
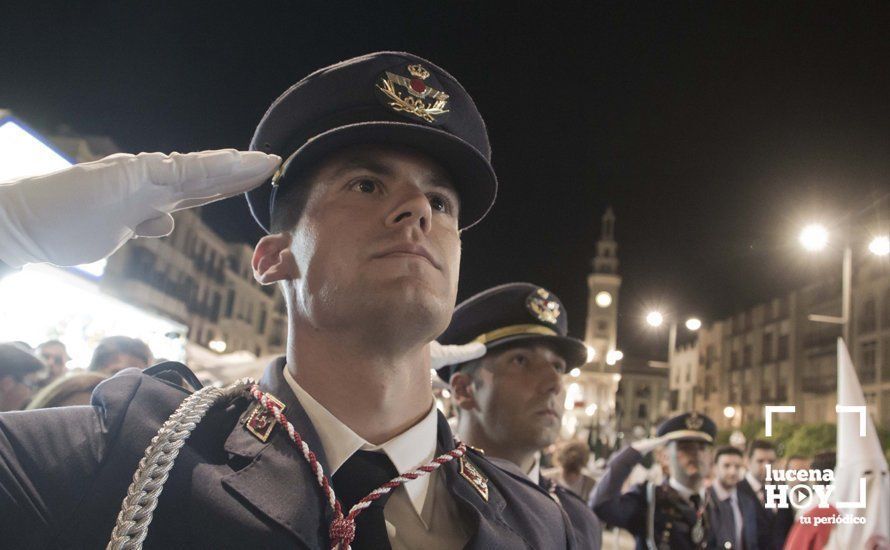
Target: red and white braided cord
342 529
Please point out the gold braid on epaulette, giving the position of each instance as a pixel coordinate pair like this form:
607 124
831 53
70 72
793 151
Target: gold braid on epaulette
138 506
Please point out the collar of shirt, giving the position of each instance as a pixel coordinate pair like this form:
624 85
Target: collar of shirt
535 473
412 448
723 494
684 491
752 481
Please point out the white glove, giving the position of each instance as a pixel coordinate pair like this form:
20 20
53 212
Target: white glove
84 213
646 446
451 355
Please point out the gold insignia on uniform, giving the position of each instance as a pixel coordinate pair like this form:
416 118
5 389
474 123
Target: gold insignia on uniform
421 100
476 478
694 421
542 307
260 421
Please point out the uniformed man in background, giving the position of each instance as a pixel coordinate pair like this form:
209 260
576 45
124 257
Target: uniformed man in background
510 401
386 161
672 515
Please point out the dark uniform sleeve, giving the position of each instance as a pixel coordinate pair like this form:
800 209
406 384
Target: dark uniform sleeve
626 510
48 460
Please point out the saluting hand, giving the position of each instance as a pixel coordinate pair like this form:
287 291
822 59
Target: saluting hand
441 356
646 446
84 213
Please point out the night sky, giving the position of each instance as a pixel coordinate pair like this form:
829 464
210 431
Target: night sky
715 130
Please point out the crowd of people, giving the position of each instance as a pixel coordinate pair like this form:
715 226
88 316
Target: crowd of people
39 378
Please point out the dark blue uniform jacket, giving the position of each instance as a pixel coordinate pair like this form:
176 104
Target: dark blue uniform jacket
64 473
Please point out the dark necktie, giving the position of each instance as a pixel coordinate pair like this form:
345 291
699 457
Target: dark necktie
695 498
358 476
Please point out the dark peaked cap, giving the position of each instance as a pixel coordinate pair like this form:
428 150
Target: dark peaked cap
383 98
514 312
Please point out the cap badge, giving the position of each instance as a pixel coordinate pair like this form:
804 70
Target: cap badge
694 421
419 98
472 474
260 422
542 307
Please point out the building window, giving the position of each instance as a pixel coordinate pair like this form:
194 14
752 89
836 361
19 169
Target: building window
746 356
869 316
782 352
767 347
642 411
262 325
602 326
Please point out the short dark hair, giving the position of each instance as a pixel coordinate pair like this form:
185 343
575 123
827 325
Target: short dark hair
109 348
825 460
289 207
727 450
760 444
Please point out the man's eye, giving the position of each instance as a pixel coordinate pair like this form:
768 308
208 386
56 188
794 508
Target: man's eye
365 185
520 360
441 203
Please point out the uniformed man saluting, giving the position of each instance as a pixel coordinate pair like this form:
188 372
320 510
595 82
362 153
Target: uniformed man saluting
386 160
672 515
509 400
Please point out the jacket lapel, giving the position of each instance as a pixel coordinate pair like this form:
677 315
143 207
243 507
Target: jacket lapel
486 518
278 480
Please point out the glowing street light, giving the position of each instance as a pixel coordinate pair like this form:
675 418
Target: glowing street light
729 412
693 323
880 246
591 354
218 346
575 373
590 410
614 356
814 237
654 318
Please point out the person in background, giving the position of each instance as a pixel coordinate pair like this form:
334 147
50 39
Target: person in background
732 515
571 457
760 454
672 514
116 353
55 356
19 373
509 399
75 388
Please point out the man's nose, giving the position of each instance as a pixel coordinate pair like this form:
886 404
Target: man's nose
413 208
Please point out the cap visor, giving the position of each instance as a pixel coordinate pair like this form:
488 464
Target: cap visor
472 175
689 435
572 350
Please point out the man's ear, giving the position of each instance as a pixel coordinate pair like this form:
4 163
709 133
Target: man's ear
273 261
462 391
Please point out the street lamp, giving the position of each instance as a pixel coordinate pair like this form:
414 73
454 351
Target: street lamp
614 356
591 353
814 237
729 412
880 246
654 318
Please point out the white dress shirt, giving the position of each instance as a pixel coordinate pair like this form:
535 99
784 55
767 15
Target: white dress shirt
733 495
408 450
421 512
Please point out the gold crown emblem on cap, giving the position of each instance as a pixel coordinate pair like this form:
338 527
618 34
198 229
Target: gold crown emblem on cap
413 95
542 307
418 71
694 421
